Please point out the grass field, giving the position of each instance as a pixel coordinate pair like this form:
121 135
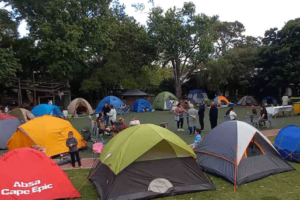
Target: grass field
283 186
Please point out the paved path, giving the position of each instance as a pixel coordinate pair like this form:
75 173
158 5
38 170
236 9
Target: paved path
273 132
88 163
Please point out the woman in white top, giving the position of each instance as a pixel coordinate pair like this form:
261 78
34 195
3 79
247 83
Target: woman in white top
112 115
232 114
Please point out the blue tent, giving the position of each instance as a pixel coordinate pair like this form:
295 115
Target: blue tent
197 96
269 100
45 109
287 143
115 101
8 128
141 105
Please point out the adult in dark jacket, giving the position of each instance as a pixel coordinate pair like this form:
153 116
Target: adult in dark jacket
201 113
213 115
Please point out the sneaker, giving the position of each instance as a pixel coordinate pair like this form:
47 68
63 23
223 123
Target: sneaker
182 130
179 129
80 167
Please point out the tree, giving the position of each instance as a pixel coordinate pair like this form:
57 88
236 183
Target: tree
8 33
182 38
68 32
229 35
279 58
122 66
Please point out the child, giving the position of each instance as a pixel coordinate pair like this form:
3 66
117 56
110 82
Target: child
198 137
72 144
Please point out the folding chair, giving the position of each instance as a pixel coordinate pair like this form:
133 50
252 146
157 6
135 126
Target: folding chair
269 121
255 122
87 134
247 119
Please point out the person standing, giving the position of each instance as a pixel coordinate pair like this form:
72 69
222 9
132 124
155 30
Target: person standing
213 115
60 95
178 112
193 119
112 114
285 101
72 143
105 111
201 113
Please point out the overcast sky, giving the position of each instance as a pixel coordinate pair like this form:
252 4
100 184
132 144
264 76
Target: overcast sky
256 15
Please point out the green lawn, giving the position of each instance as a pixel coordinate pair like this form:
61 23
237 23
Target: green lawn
278 187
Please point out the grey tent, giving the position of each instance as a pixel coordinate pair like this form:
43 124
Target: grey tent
239 153
7 129
247 101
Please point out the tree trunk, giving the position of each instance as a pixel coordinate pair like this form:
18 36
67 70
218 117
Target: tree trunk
176 70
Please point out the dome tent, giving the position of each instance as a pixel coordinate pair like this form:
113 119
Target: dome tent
141 105
23 114
163 101
45 109
142 156
115 101
247 101
46 131
8 128
269 100
79 104
239 153
28 174
197 96
223 101
6 117
287 142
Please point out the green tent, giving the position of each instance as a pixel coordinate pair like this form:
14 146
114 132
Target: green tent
162 101
141 159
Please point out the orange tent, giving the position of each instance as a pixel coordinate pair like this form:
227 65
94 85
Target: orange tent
221 100
46 131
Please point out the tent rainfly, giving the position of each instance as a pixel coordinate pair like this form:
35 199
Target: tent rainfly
8 128
164 101
79 105
239 153
247 101
46 131
147 162
197 96
22 113
28 174
45 109
115 101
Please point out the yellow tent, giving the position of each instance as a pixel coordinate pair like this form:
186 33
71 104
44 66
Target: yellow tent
46 131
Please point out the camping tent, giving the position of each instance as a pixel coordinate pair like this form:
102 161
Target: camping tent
247 101
287 142
115 101
197 96
145 162
163 101
28 174
7 129
269 100
23 114
6 117
141 105
45 109
240 153
79 105
223 101
46 131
